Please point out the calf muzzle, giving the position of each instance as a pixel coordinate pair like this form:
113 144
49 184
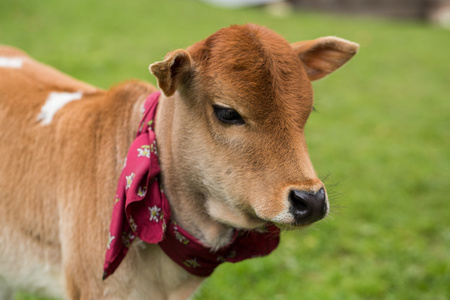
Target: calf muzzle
308 207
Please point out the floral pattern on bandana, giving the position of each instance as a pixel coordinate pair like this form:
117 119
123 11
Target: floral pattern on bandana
137 191
155 213
129 180
144 151
133 225
192 263
111 238
127 238
141 191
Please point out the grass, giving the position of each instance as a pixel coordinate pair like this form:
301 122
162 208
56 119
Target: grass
382 132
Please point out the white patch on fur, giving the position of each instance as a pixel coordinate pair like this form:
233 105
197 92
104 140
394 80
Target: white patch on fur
11 62
55 102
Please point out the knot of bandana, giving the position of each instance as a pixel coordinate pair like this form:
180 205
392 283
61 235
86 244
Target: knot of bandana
141 210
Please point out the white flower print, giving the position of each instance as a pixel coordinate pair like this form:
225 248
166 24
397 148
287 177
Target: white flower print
129 180
181 238
155 213
150 124
111 238
132 224
153 148
144 151
164 226
192 263
127 238
141 191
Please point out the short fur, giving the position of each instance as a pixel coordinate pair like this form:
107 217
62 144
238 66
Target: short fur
57 181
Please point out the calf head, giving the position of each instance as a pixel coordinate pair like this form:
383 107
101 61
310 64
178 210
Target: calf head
241 101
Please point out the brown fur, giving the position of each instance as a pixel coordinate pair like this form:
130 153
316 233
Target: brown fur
57 181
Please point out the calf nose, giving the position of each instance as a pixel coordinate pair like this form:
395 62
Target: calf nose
307 207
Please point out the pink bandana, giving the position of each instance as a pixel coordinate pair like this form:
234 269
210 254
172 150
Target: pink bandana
142 210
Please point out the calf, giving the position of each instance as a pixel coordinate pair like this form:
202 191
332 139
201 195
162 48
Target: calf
231 149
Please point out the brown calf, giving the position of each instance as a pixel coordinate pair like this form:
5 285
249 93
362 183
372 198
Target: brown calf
231 147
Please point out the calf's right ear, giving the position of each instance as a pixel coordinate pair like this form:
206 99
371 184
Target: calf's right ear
173 71
324 55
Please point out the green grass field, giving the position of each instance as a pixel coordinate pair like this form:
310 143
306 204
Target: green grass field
381 136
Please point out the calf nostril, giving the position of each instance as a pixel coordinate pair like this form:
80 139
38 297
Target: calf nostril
299 201
321 195
308 205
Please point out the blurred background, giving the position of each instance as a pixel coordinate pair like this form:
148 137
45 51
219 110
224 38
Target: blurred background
380 137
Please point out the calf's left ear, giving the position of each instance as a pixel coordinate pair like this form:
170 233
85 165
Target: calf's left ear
324 55
173 71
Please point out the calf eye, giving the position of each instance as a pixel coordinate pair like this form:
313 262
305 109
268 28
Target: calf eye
228 115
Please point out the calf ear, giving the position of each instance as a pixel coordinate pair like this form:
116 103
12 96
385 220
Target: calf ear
172 71
324 55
